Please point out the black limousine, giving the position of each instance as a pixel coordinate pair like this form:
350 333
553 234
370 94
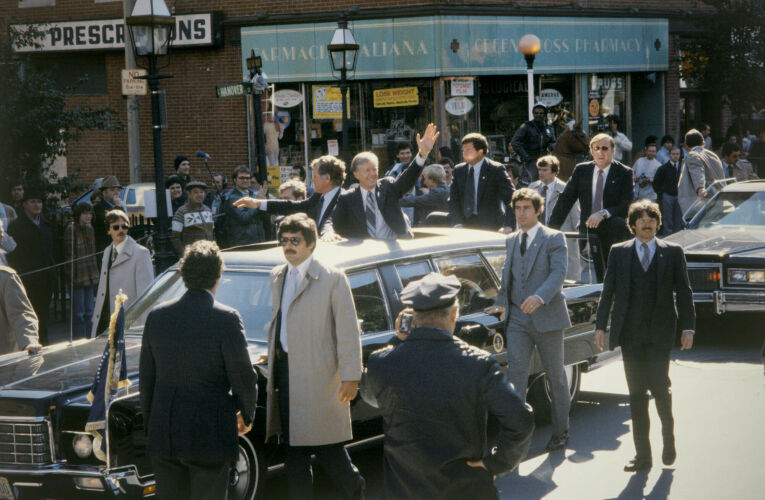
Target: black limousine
45 451
724 244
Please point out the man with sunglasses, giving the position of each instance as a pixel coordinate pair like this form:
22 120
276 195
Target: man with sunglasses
126 266
314 362
243 225
604 189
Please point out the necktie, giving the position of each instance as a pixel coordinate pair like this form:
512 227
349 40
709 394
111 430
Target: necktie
546 214
290 289
469 200
597 203
645 261
524 240
113 256
371 214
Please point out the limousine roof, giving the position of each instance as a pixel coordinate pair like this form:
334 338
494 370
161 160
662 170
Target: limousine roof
356 252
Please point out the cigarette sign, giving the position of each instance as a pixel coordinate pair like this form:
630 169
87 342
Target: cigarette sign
393 98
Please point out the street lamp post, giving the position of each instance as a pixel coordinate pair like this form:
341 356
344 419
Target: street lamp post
343 50
150 25
529 45
259 85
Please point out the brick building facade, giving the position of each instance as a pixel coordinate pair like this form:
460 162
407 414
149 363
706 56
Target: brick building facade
198 120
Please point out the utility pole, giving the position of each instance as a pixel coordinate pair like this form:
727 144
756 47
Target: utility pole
134 138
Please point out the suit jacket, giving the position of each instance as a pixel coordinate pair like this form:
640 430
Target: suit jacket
743 171
348 219
572 220
195 374
666 179
618 191
132 272
436 392
437 200
311 207
702 168
494 188
18 321
672 286
324 349
35 249
548 258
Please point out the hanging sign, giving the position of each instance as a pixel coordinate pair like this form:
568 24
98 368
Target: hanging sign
287 98
462 87
393 98
458 106
550 97
328 102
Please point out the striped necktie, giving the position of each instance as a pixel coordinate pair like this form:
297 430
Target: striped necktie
645 261
370 210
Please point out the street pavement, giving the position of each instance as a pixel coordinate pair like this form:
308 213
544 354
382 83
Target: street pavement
719 406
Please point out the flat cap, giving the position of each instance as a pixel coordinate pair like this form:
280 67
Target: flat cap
433 291
195 184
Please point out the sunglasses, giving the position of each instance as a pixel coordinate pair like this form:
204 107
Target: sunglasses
117 227
601 148
295 240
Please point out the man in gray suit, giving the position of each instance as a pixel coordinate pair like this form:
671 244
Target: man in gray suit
550 188
702 168
532 295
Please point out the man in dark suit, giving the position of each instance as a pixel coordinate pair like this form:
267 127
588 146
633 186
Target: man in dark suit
328 176
479 187
604 189
371 209
34 256
436 393
665 184
198 387
642 276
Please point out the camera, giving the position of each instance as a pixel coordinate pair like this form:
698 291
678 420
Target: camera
405 326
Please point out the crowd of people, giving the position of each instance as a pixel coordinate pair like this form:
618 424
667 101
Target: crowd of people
619 211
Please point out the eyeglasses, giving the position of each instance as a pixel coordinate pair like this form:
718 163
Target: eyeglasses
295 240
117 227
601 148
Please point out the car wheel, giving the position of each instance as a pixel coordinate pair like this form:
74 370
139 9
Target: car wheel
247 473
539 393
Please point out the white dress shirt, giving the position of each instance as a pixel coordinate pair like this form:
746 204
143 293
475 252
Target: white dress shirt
327 200
382 230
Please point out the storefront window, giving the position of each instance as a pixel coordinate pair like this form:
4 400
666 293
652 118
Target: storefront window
607 95
460 113
394 111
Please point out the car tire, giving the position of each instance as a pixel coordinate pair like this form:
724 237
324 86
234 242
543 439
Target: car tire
539 393
248 473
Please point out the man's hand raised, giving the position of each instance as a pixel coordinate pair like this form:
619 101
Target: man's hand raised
247 202
428 140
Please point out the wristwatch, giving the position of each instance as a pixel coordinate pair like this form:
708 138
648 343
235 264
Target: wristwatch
604 213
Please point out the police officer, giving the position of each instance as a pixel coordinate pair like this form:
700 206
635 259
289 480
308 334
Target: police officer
436 392
533 139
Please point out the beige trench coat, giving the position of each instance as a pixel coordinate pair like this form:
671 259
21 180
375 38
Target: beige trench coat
324 349
132 272
702 168
18 321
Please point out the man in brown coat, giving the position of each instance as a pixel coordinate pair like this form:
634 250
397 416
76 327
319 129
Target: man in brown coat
314 348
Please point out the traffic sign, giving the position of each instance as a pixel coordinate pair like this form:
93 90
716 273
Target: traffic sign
233 89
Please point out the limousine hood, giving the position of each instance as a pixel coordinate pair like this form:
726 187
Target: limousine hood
63 368
721 242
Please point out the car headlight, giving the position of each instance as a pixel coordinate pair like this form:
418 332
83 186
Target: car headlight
744 276
83 445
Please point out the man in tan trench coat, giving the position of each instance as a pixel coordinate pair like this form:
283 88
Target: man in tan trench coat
314 349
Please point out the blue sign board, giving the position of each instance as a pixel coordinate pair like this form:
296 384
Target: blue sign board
454 46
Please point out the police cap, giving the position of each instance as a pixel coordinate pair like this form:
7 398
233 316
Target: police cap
433 291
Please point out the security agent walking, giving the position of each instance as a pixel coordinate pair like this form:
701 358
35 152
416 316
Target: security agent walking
604 189
198 387
532 295
436 393
314 346
533 139
643 275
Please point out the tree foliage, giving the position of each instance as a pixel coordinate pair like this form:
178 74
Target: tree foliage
728 58
36 122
